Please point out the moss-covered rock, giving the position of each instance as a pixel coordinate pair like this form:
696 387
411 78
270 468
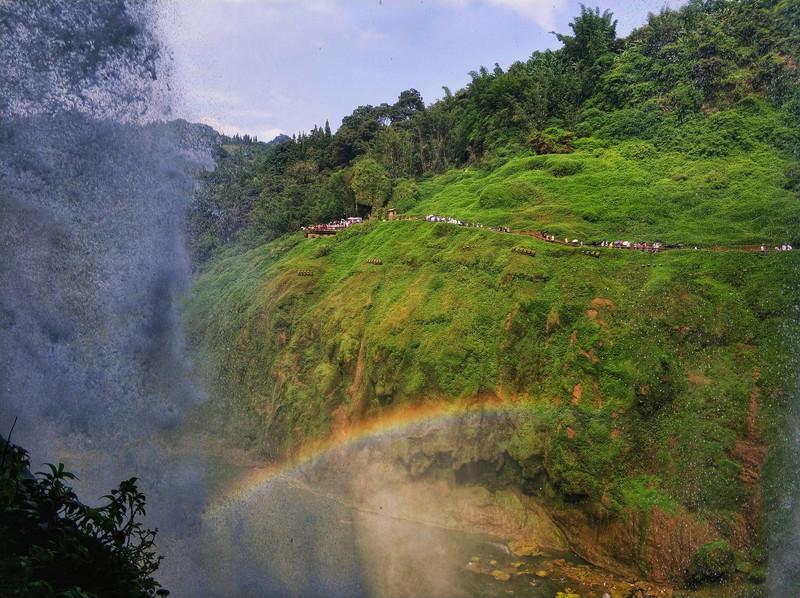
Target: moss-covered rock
712 563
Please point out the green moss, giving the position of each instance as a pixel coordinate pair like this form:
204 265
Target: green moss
438 320
712 563
642 493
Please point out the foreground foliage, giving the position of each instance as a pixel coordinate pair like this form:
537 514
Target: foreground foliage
51 544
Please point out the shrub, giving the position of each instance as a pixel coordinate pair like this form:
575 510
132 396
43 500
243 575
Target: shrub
51 544
712 563
405 195
792 178
590 144
637 150
716 180
538 163
552 140
566 168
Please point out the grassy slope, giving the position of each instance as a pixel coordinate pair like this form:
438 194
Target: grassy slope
718 181
663 352
454 313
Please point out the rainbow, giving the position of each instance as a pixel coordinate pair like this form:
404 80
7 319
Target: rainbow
352 436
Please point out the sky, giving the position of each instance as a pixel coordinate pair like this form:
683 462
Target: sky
265 67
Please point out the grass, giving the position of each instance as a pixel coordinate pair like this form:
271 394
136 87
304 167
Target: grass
631 374
664 348
696 186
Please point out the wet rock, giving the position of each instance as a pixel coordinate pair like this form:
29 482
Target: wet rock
522 548
643 589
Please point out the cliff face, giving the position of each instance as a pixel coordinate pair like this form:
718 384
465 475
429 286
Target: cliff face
457 472
641 391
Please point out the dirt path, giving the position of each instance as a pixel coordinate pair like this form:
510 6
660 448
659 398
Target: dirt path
768 248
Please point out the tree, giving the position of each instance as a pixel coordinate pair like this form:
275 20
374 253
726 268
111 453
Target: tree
407 105
370 184
394 149
358 130
552 141
51 544
592 47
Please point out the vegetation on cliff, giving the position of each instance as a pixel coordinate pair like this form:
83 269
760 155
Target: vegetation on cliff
651 382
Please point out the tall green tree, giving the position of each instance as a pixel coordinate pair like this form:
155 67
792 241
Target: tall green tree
371 186
592 46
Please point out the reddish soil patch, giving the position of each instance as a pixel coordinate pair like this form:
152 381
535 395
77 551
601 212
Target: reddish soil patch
339 423
590 355
577 393
607 303
753 408
509 320
598 400
750 455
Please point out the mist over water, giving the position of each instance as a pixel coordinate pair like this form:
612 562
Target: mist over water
784 561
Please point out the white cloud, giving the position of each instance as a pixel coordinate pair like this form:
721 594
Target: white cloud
268 134
541 12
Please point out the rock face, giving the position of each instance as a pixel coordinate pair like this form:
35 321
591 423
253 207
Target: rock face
656 545
460 474
379 481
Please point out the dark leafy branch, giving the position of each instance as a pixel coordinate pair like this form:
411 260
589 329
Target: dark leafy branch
52 544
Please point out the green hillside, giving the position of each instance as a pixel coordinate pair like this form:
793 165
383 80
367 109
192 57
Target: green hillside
646 383
454 313
704 189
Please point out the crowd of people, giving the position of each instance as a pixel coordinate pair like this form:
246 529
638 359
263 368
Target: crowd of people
783 247
652 247
655 246
449 220
332 227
